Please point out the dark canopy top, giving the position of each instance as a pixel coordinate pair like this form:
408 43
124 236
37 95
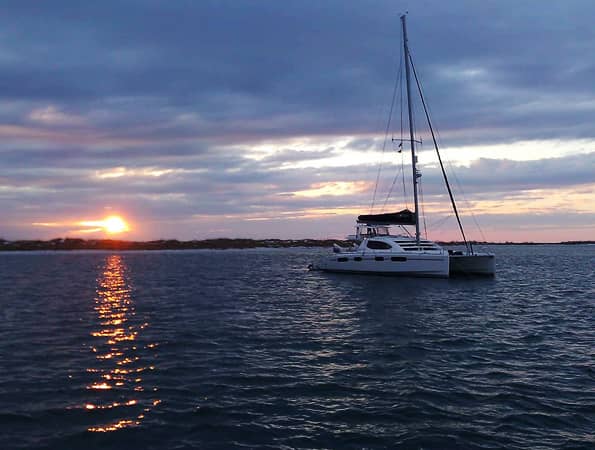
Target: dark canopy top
404 217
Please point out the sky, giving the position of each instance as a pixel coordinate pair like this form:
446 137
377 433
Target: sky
267 119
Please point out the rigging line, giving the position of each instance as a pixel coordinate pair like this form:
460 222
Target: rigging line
483 238
461 192
400 171
403 179
467 204
402 156
416 139
453 173
400 97
452 199
423 210
400 146
390 191
405 230
388 122
440 222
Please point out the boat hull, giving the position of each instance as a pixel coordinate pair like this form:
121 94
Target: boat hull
419 265
483 264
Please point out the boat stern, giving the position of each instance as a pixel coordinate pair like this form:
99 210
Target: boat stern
482 264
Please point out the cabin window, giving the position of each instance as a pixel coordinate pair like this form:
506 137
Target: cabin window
379 258
378 245
398 259
342 259
357 258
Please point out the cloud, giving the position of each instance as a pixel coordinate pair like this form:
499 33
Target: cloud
51 116
296 66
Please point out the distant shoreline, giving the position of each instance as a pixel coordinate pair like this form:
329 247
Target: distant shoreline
208 244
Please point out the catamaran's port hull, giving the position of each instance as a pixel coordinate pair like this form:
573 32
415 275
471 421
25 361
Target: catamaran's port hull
433 266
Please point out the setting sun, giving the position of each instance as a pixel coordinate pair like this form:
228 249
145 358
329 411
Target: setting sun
114 224
109 225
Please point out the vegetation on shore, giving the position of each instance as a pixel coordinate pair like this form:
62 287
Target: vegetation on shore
220 244
164 244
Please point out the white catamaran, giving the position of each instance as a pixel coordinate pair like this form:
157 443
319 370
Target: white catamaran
376 250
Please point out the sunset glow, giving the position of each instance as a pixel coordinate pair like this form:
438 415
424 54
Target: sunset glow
115 225
110 225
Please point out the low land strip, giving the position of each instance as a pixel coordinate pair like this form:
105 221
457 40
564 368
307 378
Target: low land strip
220 244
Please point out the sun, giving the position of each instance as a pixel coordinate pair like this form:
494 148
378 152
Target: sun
114 225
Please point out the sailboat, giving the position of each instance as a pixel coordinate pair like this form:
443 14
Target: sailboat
377 250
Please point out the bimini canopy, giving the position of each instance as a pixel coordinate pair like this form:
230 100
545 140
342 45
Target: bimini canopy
404 217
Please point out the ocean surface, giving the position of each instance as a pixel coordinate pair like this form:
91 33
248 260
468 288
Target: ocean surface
247 349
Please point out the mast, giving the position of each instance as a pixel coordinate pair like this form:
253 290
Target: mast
411 137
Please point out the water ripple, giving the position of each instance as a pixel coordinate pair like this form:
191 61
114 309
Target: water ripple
247 349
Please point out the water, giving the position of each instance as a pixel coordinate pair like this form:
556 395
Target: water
246 349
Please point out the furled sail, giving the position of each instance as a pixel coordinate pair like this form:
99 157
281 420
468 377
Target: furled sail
404 217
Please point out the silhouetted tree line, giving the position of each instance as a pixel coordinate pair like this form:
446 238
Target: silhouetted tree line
163 244
222 244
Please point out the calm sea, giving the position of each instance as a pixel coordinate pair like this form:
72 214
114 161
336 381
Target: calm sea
247 349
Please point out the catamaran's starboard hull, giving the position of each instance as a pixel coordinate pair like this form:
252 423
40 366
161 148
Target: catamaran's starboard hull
483 264
436 266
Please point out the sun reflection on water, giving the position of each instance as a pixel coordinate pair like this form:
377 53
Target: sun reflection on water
119 369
